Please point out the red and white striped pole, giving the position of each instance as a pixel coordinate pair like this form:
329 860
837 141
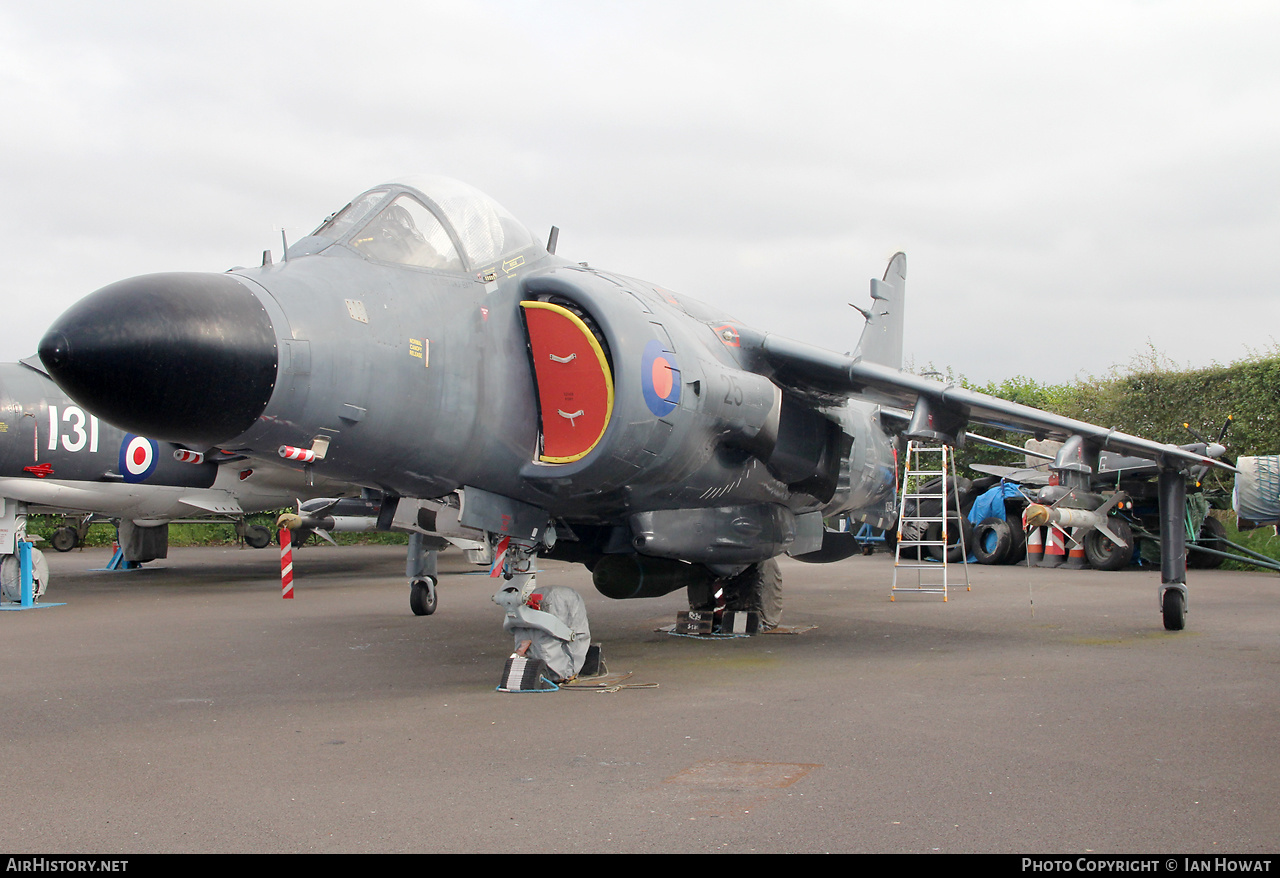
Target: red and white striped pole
499 557
286 564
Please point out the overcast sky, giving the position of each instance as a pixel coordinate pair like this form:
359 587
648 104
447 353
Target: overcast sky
1074 184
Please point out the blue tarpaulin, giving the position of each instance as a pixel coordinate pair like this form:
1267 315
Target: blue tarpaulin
991 502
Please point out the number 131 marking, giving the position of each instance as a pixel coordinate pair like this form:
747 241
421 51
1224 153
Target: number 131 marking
75 437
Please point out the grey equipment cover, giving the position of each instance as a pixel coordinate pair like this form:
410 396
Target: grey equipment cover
558 628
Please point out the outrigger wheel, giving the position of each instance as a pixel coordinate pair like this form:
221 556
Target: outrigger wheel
1173 606
422 596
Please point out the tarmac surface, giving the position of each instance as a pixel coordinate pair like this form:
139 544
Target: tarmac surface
185 707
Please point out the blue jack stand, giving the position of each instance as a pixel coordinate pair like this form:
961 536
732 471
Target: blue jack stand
866 536
118 562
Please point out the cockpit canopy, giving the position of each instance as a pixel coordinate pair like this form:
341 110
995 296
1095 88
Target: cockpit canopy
427 222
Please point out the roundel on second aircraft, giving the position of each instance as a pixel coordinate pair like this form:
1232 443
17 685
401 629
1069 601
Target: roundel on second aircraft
659 378
138 457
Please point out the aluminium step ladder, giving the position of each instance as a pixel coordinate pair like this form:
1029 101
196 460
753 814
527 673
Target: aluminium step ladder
917 517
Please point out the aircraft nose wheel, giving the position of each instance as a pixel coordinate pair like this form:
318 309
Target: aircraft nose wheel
422 596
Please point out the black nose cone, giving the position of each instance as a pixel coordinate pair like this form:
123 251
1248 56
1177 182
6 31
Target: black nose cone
186 358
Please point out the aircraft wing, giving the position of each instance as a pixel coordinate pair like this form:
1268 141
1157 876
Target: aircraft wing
945 408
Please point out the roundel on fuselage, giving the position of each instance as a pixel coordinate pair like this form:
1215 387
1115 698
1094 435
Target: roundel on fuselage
138 457
660 379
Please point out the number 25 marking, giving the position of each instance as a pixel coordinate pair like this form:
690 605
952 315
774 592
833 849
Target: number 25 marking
732 390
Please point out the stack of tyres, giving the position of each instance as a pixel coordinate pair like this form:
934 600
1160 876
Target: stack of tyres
999 536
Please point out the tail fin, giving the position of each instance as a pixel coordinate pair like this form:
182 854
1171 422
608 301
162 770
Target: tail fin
881 340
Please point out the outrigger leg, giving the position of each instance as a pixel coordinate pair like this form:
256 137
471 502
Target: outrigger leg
1173 549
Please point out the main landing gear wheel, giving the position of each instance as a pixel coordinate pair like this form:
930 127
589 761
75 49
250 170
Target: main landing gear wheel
257 537
65 539
1173 606
757 589
11 575
1103 554
422 596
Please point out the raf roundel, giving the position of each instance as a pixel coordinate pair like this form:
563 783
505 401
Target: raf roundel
138 458
660 379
